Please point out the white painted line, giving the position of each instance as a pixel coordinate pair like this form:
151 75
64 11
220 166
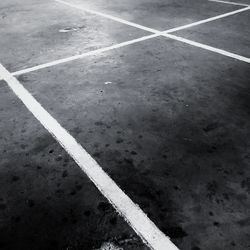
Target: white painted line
163 33
227 2
210 48
117 19
93 52
123 44
81 7
208 20
131 212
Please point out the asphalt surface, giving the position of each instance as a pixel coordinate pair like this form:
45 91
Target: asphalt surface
168 122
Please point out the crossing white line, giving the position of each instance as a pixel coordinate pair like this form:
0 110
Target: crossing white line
165 33
156 34
131 212
120 20
123 44
227 2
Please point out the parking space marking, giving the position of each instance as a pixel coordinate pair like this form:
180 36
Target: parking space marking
117 19
156 34
227 2
131 212
135 217
165 33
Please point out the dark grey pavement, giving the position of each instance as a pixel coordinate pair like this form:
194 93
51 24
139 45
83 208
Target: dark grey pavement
176 142
46 201
169 122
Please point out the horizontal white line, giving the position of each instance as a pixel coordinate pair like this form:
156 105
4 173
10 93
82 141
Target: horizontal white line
207 20
210 48
93 52
131 212
227 2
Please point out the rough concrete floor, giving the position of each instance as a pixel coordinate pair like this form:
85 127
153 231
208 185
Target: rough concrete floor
171 127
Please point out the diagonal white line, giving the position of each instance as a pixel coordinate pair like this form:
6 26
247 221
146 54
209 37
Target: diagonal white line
117 19
210 48
208 20
227 2
93 52
131 212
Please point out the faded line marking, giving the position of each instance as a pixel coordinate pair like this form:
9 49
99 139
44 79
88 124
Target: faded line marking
227 2
131 212
210 48
208 20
